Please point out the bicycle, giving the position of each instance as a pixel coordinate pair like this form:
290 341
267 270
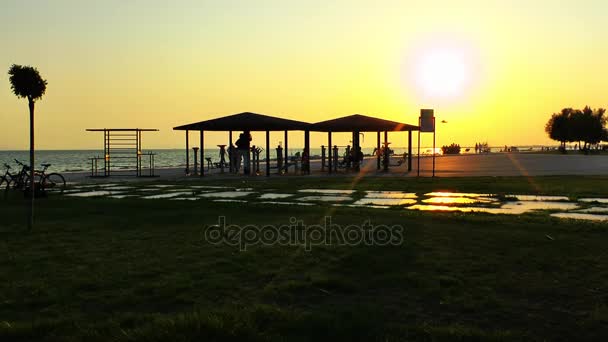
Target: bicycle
52 182
14 180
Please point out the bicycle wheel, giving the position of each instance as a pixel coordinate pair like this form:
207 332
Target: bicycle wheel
26 187
53 182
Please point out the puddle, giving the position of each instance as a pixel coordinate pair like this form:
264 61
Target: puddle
326 198
122 196
539 198
328 191
243 189
456 200
102 185
184 199
524 206
118 187
210 187
162 186
456 194
180 190
286 203
227 194
384 201
591 200
594 210
390 194
85 186
93 193
512 208
230 201
274 196
361 206
71 191
144 189
579 216
431 207
169 195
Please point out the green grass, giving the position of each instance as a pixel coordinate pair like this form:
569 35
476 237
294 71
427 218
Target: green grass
138 270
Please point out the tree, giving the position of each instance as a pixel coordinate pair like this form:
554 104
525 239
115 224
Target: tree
558 127
586 127
26 82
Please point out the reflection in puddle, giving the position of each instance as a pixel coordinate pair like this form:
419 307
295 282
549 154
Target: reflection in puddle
390 194
329 191
122 196
274 196
456 194
106 185
93 193
288 203
431 207
384 201
456 200
169 195
361 206
119 187
524 206
230 201
594 210
579 216
71 191
326 198
209 187
147 190
243 189
227 194
161 186
512 208
184 199
539 198
591 200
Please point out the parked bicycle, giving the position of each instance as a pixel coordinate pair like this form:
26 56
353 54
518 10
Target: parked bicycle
52 182
14 180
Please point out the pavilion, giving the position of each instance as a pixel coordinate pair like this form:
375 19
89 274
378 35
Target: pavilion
358 123
251 122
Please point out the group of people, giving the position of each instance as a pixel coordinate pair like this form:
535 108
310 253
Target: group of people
481 148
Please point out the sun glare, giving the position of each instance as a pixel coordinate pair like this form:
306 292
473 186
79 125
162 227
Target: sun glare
441 70
442 73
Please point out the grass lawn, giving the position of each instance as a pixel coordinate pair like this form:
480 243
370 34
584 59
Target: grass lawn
140 270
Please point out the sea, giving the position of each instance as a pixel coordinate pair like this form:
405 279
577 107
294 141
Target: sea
80 160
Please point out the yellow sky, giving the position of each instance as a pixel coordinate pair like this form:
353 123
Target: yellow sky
159 64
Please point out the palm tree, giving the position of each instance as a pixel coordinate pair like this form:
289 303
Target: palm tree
27 83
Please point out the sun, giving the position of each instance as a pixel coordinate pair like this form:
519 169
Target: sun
442 73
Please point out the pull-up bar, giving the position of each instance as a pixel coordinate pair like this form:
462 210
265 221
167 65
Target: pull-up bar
122 148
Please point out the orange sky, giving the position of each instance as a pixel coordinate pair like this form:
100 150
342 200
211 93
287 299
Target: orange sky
159 64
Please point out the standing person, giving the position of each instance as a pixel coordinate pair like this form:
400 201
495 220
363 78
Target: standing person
243 145
239 153
232 157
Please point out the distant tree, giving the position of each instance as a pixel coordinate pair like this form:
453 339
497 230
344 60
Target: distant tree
26 82
558 127
451 149
586 127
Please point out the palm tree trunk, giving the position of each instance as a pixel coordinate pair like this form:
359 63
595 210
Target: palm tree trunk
30 224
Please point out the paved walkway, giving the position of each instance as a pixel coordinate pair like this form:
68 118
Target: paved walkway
495 164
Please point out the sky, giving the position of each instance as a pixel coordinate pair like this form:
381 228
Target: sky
493 70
